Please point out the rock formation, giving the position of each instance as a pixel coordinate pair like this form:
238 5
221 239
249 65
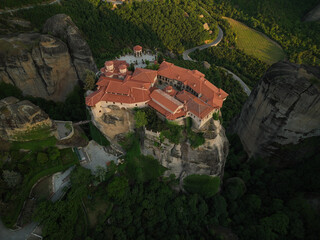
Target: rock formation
115 124
313 15
182 160
283 108
19 118
61 26
45 66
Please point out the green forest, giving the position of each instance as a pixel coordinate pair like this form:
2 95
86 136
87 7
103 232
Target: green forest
255 198
257 201
19 3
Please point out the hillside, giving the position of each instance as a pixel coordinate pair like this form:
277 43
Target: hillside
255 43
250 172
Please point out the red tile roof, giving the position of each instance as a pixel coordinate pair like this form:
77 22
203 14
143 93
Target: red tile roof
164 112
195 105
166 101
170 90
137 48
117 65
136 88
196 81
144 75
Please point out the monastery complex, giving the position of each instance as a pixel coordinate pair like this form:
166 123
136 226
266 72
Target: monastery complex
174 92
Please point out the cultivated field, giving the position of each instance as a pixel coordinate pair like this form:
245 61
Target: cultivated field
255 43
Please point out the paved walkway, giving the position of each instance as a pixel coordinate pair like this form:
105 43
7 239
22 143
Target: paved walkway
22 234
60 181
27 7
98 155
186 57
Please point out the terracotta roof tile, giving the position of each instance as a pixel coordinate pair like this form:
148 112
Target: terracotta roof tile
167 102
137 48
144 75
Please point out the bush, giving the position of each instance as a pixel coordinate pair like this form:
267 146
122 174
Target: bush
90 80
195 139
140 118
53 153
172 132
235 188
42 158
215 116
204 185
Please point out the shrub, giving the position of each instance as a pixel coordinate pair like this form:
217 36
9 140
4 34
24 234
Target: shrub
204 185
42 158
215 115
90 80
11 178
140 118
235 188
172 132
53 153
195 139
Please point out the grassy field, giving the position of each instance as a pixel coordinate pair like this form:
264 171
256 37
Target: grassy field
35 145
256 44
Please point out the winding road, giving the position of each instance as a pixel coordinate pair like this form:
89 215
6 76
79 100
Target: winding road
185 56
186 53
28 7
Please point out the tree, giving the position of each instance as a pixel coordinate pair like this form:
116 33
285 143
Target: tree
80 177
90 80
235 188
12 178
278 223
140 118
118 188
205 185
42 158
53 153
101 173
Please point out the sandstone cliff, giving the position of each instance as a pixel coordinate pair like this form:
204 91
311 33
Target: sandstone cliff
182 160
22 120
283 108
43 65
61 26
115 123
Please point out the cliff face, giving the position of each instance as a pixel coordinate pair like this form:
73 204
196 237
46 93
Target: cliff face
115 124
61 26
182 160
42 65
18 119
283 108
